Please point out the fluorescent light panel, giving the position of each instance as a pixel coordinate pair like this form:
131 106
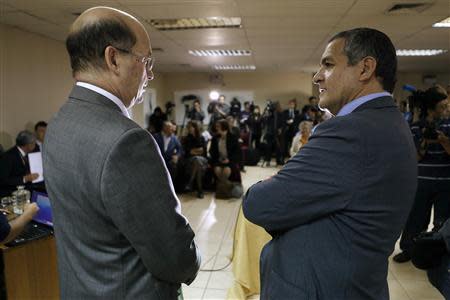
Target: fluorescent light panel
220 52
416 52
443 23
195 23
235 67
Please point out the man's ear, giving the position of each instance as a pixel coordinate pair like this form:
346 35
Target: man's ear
368 66
112 59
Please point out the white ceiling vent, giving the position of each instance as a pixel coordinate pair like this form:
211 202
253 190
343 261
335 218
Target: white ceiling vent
408 8
195 23
230 52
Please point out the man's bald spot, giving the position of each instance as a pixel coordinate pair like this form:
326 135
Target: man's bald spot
95 14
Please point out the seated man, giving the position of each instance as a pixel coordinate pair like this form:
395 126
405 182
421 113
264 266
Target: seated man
10 230
14 167
39 131
171 149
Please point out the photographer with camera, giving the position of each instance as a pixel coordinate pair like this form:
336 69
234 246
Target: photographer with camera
431 135
196 113
272 120
218 110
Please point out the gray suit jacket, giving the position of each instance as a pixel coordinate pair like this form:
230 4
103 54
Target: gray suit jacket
336 209
119 230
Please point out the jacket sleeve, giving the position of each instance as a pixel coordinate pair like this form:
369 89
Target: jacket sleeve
6 167
234 150
139 196
214 151
318 181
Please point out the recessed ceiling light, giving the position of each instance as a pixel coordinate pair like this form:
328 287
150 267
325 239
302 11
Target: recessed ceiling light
235 67
195 23
425 52
220 52
443 23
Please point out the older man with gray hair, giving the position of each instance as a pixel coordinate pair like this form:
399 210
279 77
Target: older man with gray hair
14 166
119 229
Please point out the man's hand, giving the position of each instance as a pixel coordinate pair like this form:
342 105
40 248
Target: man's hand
30 210
30 177
175 158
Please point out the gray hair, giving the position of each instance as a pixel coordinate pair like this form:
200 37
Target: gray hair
25 137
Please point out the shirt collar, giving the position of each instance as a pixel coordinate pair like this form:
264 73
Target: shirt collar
21 152
107 94
351 106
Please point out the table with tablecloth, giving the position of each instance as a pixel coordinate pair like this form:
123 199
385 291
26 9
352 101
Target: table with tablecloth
249 239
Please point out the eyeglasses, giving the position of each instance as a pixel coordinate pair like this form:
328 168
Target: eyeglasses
149 61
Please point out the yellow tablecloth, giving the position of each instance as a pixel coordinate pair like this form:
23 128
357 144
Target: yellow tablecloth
249 240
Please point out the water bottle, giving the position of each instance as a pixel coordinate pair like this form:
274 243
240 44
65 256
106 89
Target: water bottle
21 196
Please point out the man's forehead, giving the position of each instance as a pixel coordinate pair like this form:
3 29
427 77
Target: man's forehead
334 48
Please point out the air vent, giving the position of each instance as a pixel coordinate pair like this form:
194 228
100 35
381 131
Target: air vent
408 8
195 23
220 52
416 52
235 67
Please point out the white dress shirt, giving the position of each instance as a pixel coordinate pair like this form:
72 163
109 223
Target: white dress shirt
166 141
107 94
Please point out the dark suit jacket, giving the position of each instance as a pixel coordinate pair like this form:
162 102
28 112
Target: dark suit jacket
233 149
12 171
118 226
174 146
337 208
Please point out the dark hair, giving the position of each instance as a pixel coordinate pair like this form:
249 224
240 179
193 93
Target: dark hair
87 46
363 42
196 126
40 124
24 138
311 98
427 100
223 124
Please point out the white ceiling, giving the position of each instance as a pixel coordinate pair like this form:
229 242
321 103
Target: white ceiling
285 35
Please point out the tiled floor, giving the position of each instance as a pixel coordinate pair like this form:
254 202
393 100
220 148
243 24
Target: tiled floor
213 222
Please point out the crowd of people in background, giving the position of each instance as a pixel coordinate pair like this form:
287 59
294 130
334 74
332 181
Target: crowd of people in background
236 135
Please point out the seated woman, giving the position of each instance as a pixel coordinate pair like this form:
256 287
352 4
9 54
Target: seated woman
195 154
225 153
301 138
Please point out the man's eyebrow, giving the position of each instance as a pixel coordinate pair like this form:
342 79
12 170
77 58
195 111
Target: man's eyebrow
324 59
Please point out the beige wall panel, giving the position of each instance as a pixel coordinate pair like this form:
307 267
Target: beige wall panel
35 80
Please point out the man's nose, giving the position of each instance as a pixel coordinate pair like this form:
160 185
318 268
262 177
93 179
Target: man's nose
317 78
